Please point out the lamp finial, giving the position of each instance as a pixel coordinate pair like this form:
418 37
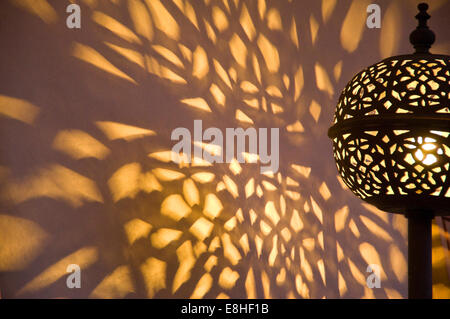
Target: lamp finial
422 37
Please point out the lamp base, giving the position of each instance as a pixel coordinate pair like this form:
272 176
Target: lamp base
419 255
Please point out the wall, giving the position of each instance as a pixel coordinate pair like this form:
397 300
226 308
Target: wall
86 118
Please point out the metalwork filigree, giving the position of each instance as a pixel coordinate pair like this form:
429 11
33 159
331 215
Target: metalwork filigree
391 133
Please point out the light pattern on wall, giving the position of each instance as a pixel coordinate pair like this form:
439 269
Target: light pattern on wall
139 224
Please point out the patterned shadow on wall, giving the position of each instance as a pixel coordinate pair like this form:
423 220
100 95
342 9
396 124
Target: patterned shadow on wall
100 189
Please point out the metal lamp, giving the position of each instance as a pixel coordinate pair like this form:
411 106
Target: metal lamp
391 143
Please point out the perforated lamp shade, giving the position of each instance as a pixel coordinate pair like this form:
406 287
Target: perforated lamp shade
391 136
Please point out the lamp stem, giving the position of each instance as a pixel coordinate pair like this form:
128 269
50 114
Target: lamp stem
419 255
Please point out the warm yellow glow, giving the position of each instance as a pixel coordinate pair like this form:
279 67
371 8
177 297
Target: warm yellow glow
296 223
309 243
299 81
266 285
163 20
129 54
167 175
342 285
198 103
247 23
262 8
293 34
243 241
241 116
210 263
398 263
186 260
257 69
227 278
203 286
222 73
270 53
324 191
40 8
163 156
296 127
271 212
305 266
327 9
114 131
154 274
190 192
200 66
219 96
301 287
190 14
185 52
171 76
175 207
115 285
274 91
303 170
231 186
321 267
314 28
378 231
340 217
238 50
168 55
229 250
164 236
354 25
274 20
429 159
322 79
389 38
317 210
136 229
250 285
125 181
203 177
115 26
281 277
213 206
202 228
78 144
57 182
248 87
210 32
141 19
357 274
354 229
340 252
337 70
83 257
21 241
371 256
18 109
268 186
219 18
274 252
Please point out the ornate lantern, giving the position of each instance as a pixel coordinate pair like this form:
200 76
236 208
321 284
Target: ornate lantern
391 143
